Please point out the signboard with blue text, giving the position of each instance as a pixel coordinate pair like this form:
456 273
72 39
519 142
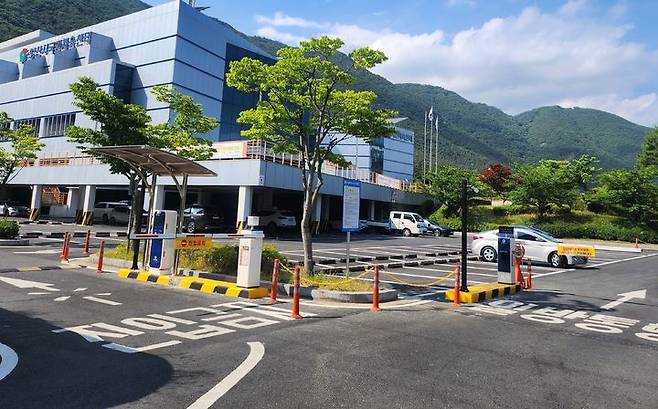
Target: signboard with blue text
351 205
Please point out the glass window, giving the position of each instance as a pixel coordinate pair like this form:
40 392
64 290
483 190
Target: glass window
526 236
56 125
35 123
123 83
408 217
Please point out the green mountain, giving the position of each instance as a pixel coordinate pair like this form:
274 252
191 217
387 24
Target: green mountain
59 16
470 134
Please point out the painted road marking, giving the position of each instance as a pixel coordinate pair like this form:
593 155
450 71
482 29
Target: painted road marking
53 251
256 353
17 282
63 298
9 360
101 300
157 346
37 293
641 294
83 289
595 265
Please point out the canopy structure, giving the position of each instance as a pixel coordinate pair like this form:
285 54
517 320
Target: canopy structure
156 161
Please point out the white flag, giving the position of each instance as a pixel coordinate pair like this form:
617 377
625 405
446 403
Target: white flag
430 116
437 123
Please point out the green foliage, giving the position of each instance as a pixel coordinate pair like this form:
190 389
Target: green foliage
583 170
550 183
630 193
18 17
649 153
445 186
8 229
23 145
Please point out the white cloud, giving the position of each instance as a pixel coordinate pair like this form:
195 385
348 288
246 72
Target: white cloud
573 7
274 34
523 61
281 19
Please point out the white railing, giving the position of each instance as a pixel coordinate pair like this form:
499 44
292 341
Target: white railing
262 150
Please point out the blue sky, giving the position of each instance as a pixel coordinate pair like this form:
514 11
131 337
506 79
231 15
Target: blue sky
513 54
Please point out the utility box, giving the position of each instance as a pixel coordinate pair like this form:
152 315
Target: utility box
505 255
162 251
249 259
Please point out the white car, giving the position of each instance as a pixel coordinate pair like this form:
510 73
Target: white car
11 208
539 246
272 220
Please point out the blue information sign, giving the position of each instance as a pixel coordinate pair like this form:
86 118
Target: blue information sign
351 205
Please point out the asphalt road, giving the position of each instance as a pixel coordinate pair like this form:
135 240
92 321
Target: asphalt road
153 346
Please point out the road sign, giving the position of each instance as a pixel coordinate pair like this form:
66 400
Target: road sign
351 205
575 250
193 243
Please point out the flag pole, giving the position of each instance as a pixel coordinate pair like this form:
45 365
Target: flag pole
437 141
425 147
431 159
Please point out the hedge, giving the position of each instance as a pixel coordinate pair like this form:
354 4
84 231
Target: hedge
8 229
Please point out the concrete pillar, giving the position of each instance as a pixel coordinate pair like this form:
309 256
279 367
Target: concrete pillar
88 201
371 210
73 203
35 204
245 197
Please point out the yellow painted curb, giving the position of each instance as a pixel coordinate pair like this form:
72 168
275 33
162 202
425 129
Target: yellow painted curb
482 292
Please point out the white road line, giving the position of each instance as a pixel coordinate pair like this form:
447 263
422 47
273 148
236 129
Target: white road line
595 265
101 300
156 346
256 353
82 289
120 348
8 362
63 298
37 293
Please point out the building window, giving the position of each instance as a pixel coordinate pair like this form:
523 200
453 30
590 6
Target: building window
234 101
35 123
123 83
376 159
56 125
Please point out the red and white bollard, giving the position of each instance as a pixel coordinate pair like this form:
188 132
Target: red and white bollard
275 274
99 267
455 301
295 294
85 250
375 290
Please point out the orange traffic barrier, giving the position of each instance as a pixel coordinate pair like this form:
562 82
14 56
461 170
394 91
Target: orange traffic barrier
273 289
518 277
529 280
455 302
67 244
375 290
85 250
99 267
62 254
295 295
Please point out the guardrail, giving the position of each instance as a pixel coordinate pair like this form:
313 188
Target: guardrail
236 150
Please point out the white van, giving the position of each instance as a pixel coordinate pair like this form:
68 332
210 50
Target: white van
406 223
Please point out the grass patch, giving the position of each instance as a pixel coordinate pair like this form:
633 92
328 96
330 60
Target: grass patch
335 283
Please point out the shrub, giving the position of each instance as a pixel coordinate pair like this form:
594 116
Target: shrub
8 229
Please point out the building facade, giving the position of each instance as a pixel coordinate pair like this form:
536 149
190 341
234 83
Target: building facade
175 45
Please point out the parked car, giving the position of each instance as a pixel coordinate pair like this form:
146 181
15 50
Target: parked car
13 208
405 223
119 215
272 220
438 230
199 218
102 211
539 246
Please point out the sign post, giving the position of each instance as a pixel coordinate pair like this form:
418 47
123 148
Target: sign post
351 207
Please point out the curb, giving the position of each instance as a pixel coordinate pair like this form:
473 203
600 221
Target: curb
336 260
314 293
482 292
398 264
14 242
38 268
60 235
193 283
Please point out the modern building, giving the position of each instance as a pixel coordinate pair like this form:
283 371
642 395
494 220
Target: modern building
392 157
171 44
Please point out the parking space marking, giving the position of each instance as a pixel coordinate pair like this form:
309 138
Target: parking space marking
101 300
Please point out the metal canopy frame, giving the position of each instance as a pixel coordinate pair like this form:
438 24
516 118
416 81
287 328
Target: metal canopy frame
157 162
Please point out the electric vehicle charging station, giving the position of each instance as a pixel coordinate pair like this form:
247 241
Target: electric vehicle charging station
506 244
162 251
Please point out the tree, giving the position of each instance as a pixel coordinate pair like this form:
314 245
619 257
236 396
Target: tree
129 124
306 108
498 177
445 186
550 182
649 153
630 193
23 145
583 170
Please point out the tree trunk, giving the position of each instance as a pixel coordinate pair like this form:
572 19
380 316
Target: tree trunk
307 236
